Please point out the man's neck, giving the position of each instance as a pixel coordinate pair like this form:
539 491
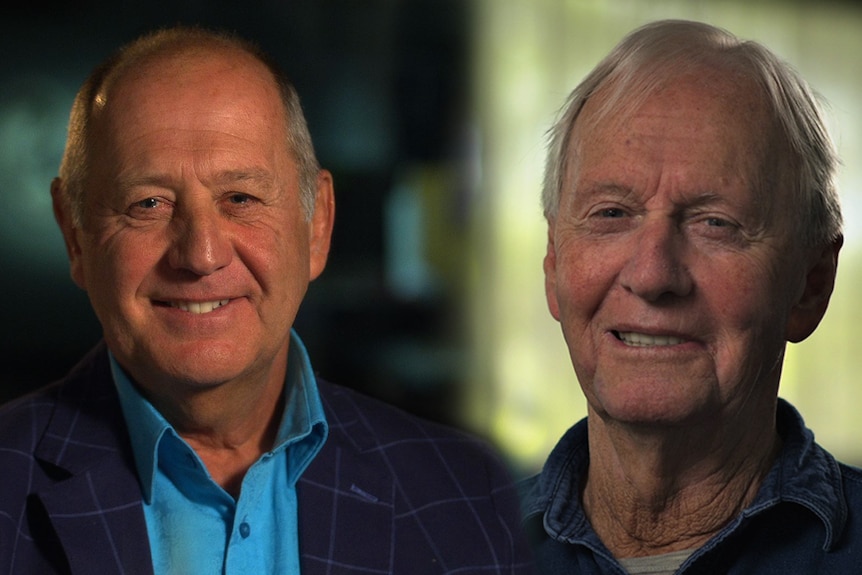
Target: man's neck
230 425
659 491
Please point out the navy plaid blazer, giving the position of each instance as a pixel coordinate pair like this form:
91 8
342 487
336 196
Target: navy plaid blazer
388 493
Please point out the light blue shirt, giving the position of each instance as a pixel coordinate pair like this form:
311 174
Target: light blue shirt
195 526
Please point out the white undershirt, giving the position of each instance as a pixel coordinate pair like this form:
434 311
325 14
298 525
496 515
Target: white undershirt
665 564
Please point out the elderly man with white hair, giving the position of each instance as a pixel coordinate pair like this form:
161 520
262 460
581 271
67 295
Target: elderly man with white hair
693 230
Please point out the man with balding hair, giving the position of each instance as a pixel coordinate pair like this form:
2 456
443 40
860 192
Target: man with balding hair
196 437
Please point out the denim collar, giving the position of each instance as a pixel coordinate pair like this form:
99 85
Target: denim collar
804 473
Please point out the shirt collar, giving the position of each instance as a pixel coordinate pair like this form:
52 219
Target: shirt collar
302 431
804 473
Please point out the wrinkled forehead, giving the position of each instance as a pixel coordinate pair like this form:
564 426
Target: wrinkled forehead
625 91
723 116
723 101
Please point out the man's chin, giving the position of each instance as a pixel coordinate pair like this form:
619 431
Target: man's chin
655 411
197 371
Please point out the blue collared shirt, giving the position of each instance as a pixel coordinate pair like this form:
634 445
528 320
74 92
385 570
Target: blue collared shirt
806 517
194 525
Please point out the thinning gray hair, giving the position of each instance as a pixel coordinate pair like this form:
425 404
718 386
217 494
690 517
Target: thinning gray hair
76 158
649 56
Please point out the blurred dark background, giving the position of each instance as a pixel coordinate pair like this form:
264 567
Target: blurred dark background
384 84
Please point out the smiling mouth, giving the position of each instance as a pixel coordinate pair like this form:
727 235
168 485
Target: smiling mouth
635 339
198 307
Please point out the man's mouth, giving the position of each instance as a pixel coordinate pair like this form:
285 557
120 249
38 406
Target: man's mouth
635 339
198 307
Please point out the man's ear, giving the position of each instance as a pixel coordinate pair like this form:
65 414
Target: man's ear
809 309
322 222
63 215
550 266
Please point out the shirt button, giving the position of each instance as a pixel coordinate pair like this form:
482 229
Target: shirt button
244 529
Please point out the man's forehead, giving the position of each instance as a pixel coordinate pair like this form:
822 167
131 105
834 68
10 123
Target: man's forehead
182 63
706 135
707 105
619 98
198 92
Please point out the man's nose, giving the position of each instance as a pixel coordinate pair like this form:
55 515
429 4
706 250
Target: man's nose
655 268
201 243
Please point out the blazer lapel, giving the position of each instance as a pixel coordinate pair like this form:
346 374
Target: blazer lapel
96 507
100 525
345 499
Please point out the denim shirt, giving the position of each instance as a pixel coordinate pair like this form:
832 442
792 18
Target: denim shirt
806 518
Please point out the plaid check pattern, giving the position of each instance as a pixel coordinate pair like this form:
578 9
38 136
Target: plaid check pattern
389 493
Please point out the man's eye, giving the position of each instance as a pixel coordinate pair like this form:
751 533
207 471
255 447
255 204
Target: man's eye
611 213
150 208
239 199
149 203
717 222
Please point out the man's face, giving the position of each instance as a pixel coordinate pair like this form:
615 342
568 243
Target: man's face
669 266
194 249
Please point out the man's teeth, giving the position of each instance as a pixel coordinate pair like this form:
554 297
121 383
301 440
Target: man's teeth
199 307
644 340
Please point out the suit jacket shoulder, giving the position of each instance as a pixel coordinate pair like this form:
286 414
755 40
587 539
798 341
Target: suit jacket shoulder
388 493
403 495
70 501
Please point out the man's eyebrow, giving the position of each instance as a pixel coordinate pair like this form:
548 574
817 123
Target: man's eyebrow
257 175
694 198
708 198
129 181
592 189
